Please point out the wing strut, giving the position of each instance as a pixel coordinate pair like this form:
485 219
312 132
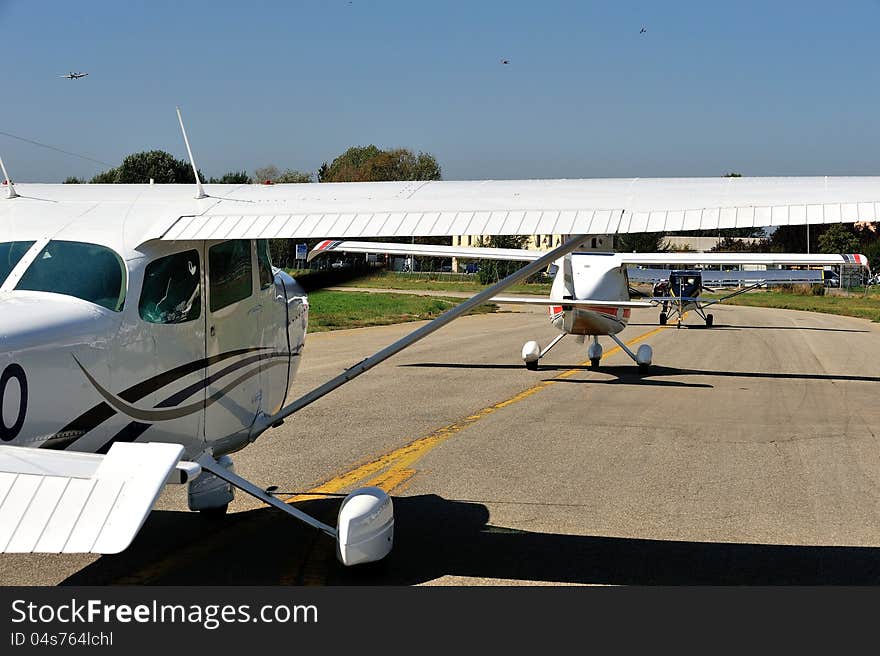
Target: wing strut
207 462
265 421
10 189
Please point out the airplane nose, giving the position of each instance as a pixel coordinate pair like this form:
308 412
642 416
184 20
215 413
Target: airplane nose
36 319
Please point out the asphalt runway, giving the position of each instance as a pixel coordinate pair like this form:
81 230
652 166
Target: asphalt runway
749 454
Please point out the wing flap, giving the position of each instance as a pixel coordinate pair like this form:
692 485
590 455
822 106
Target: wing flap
508 207
58 502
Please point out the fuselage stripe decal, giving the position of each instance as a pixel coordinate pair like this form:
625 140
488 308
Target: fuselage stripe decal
136 428
98 414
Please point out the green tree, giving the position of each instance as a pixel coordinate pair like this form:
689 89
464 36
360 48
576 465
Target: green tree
838 239
492 271
642 242
733 245
292 176
266 173
74 180
105 177
793 239
370 164
233 177
140 168
158 165
872 252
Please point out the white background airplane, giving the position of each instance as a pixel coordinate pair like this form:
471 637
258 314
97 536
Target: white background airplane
145 336
74 75
590 294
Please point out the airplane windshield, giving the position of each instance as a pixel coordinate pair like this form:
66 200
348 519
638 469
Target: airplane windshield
87 271
10 253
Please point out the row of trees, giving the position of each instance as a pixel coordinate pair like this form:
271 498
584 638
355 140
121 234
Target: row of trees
357 164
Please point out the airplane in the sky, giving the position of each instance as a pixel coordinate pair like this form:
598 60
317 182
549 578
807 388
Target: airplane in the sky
74 75
145 336
590 294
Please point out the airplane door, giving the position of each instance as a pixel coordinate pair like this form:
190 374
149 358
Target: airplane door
159 358
233 339
276 367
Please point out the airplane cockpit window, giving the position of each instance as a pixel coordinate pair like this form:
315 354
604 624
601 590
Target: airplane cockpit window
267 278
172 289
10 253
229 273
90 272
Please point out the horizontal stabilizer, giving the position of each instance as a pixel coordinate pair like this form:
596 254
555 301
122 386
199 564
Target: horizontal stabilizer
66 502
580 303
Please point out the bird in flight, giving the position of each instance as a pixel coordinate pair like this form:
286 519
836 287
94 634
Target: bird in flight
74 76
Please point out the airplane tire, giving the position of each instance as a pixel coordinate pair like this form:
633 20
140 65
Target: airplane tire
532 366
594 362
709 320
644 368
215 513
663 318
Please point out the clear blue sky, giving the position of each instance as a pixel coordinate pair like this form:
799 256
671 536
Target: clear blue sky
765 88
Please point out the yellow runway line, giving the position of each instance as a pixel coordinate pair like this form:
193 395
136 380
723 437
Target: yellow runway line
391 472
394 469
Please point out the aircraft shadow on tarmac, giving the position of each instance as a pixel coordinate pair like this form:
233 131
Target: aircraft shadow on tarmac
630 375
722 326
437 537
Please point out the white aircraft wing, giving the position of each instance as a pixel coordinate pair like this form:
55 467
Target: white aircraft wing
428 250
712 277
579 303
66 502
351 210
678 259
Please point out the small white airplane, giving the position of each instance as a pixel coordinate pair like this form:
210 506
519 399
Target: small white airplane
74 75
145 336
590 294
679 290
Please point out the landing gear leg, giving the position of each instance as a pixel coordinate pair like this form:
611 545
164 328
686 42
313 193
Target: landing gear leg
594 352
531 352
708 318
365 527
641 357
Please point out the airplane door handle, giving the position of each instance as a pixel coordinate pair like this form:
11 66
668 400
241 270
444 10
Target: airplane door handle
213 331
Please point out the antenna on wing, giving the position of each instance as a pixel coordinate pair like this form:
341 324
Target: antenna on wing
10 189
200 193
